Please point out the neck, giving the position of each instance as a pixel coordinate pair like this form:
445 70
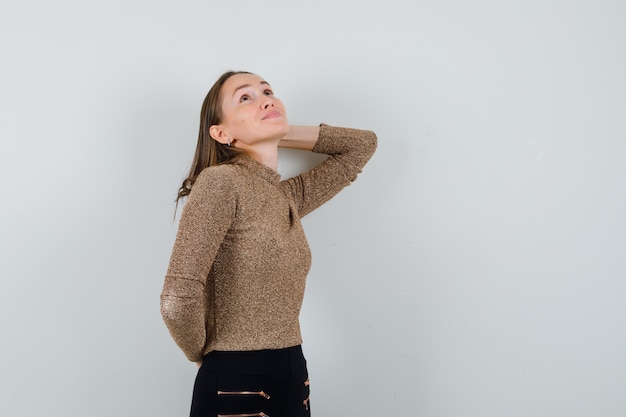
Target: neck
265 153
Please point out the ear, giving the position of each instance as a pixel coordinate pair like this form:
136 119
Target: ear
218 133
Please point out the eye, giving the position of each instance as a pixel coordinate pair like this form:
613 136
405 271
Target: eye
243 98
268 92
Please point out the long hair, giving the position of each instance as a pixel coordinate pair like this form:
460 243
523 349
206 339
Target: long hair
209 152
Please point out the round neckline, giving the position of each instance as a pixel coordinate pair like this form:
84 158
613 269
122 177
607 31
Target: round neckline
259 169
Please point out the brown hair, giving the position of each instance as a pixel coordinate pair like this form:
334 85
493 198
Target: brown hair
210 152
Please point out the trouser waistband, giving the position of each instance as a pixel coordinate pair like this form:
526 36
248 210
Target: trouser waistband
255 361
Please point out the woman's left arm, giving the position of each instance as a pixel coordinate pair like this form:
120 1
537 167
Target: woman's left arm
301 137
348 151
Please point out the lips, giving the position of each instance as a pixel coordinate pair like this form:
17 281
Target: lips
271 115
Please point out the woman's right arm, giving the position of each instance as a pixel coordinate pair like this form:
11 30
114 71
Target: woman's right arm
205 220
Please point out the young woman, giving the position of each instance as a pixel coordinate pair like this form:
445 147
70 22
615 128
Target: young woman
236 278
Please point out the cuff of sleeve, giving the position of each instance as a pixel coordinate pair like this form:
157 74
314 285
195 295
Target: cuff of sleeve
337 140
328 136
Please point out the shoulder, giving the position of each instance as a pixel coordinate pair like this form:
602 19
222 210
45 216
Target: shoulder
219 178
217 172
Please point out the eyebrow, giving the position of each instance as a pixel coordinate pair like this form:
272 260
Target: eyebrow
248 85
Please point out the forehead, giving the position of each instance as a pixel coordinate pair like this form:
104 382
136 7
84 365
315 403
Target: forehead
238 80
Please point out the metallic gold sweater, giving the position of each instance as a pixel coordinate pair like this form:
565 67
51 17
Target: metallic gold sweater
238 267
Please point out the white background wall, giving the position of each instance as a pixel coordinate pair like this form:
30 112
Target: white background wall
476 268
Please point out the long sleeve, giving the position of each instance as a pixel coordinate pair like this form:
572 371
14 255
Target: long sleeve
205 220
348 150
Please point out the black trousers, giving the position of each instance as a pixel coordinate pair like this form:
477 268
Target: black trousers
258 383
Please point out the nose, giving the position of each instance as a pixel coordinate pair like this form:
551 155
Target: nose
267 102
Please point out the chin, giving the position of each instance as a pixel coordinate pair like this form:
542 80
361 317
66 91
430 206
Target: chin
284 132
281 131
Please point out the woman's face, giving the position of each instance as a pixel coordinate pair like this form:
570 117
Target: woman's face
251 114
